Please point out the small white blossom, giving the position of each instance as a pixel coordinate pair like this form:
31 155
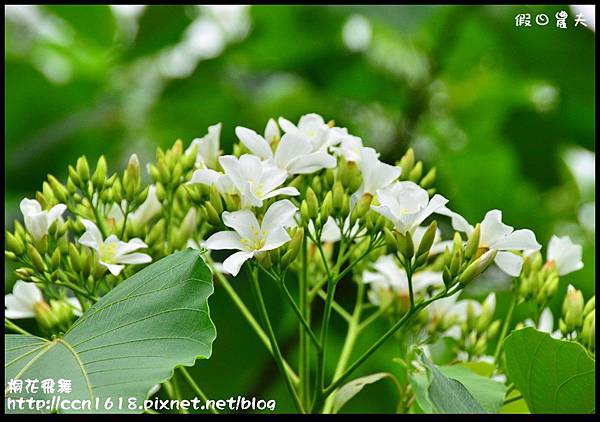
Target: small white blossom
545 324
112 252
564 254
142 214
495 235
20 303
38 221
208 147
312 128
407 205
376 175
349 147
250 237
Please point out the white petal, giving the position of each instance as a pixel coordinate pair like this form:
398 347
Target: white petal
254 142
376 174
30 206
280 214
275 238
523 239
56 212
290 191
134 258
224 240
113 268
565 254
27 293
434 204
493 229
149 208
546 323
287 126
208 146
459 223
290 148
205 177
92 236
311 163
243 222
233 263
272 131
126 247
510 263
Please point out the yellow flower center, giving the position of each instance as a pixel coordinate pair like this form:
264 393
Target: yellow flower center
108 253
257 242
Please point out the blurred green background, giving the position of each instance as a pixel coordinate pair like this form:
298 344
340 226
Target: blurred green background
505 113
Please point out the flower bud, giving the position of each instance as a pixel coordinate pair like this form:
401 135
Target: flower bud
74 176
44 315
447 277
429 178
24 273
316 185
472 243
55 260
176 173
293 248
36 258
161 193
326 207
164 176
211 214
406 163
58 189
156 233
99 176
487 312
493 329
572 308
74 258
427 239
588 332
338 196
215 199
83 169
10 255
477 267
390 240
48 195
590 306
304 214
405 245
14 243
189 159
480 346
360 209
456 261
416 172
312 203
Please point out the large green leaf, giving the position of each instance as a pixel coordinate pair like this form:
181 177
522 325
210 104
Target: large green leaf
554 376
489 393
130 340
351 389
448 395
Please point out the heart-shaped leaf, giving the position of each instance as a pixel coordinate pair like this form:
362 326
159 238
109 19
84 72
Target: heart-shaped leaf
129 341
554 376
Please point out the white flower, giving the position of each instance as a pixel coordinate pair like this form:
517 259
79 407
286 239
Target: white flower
255 180
495 235
210 177
312 128
389 276
250 237
208 147
565 255
112 252
545 324
350 148
407 205
294 153
20 303
375 174
142 214
272 133
37 221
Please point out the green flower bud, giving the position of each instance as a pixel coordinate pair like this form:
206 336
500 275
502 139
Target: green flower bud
590 306
297 181
264 259
74 258
447 277
99 176
477 267
156 233
83 169
316 185
572 308
24 273
338 196
62 311
486 315
537 262
10 255
390 240
563 327
177 173
456 261
429 178
164 176
427 239
493 329
406 163
345 209
361 208
480 346
19 230
328 179
588 332
189 159
44 315
473 243
294 248
304 213
405 245
116 191
14 243
74 176
215 200
55 260
312 203
154 174
48 195
212 215
36 258
58 189
161 193
471 317
350 175
416 172
326 207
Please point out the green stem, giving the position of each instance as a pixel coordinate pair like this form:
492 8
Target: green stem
14 327
246 313
349 342
274 346
336 307
506 324
512 399
304 344
195 387
177 392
